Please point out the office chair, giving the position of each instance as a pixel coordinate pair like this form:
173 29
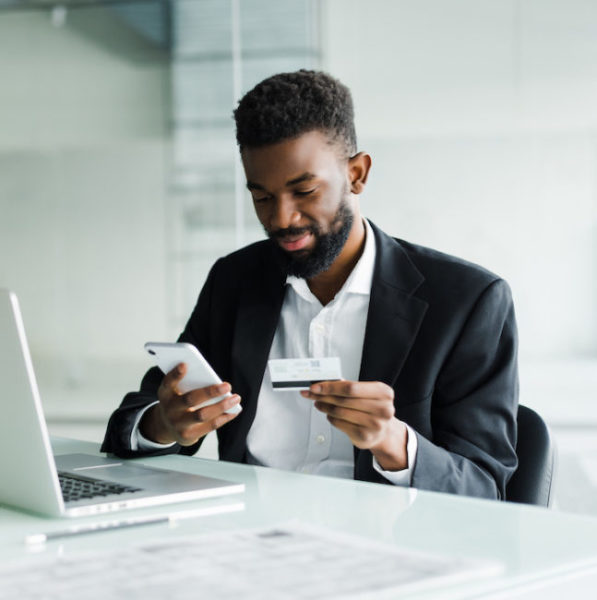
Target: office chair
532 482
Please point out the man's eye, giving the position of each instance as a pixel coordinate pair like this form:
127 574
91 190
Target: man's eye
260 199
304 192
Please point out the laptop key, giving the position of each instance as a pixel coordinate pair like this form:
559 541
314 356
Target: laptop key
75 487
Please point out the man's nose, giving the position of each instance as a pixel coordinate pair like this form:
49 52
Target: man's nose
284 214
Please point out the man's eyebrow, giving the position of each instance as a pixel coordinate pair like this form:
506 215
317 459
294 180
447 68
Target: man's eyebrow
254 186
304 177
251 185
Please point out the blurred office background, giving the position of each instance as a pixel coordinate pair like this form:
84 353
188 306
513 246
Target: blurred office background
120 182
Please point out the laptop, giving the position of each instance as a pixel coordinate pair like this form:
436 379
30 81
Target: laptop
69 485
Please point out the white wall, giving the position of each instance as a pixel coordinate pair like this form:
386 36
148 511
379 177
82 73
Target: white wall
481 119
83 152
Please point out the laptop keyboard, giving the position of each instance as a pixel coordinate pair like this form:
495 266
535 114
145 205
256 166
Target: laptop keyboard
76 487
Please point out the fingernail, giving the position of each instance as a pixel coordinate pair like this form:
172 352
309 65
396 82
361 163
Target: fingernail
316 389
305 393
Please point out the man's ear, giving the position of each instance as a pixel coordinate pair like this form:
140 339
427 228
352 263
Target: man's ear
358 171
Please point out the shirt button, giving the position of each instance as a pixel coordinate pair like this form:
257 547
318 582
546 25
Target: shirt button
320 439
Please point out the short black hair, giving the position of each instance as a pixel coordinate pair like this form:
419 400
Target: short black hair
286 105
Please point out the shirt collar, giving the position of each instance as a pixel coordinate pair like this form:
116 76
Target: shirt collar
358 282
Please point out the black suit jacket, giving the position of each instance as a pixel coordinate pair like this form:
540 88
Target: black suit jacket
440 331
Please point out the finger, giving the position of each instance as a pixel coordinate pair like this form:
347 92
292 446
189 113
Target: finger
188 417
191 400
208 413
381 407
362 437
169 384
355 433
353 389
189 435
349 415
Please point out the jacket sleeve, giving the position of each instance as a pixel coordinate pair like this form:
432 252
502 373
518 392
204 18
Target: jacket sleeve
469 448
117 439
474 405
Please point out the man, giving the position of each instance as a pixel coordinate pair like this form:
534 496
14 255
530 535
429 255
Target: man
427 341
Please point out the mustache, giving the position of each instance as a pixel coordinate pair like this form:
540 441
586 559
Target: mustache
290 231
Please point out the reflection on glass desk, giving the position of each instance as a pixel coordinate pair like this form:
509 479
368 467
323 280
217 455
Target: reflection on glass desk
542 553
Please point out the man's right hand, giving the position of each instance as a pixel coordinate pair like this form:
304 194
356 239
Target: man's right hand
177 418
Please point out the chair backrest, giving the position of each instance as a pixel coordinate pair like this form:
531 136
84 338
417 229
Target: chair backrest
532 481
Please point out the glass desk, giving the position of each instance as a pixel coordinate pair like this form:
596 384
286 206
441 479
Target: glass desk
544 553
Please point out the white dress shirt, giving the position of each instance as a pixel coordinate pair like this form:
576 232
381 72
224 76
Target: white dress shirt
288 432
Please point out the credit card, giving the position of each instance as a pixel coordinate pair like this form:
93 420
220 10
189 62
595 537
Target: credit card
289 374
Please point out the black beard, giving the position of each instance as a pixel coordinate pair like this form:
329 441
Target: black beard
327 245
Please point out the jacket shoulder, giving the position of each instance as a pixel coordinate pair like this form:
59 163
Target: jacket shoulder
244 264
446 269
248 255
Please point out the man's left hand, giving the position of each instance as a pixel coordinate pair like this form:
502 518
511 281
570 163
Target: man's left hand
364 411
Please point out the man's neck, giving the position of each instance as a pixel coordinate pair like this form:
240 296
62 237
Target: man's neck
326 285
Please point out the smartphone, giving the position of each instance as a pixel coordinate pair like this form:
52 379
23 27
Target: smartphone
199 372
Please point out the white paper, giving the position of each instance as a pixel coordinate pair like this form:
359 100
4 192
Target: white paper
288 562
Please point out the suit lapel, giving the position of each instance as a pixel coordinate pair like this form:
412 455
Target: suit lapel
256 322
395 314
393 320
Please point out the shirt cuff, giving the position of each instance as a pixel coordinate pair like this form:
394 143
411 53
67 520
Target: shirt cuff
403 477
138 441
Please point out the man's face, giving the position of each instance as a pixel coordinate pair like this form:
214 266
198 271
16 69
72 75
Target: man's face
301 194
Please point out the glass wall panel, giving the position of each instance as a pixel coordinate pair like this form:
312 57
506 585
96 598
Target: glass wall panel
119 174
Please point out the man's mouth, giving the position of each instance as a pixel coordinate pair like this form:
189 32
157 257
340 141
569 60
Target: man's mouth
292 243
